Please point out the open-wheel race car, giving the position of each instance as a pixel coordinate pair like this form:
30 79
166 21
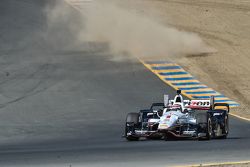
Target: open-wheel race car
179 118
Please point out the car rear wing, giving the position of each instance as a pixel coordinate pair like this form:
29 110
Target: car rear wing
222 105
202 104
199 104
192 104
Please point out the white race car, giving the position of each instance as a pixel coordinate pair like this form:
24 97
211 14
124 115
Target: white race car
179 118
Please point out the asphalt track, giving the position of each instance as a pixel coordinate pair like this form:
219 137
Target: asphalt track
64 103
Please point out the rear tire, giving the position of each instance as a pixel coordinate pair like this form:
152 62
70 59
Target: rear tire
225 129
132 122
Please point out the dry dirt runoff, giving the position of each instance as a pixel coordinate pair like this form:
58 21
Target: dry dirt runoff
223 25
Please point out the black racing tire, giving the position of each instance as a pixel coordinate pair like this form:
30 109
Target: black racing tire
209 128
225 129
133 117
132 120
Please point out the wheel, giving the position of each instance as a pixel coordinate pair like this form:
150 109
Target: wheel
132 122
225 129
133 117
209 128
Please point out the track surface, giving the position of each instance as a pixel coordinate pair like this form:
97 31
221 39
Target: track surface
64 104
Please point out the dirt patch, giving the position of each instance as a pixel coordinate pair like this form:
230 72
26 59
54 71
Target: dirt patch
222 24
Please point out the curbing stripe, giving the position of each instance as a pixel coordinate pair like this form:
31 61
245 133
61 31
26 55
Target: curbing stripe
179 76
186 83
220 96
194 88
216 96
163 64
165 67
179 79
171 70
221 101
173 73
234 105
202 92
175 76
201 97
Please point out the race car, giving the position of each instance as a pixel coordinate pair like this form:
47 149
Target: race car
179 118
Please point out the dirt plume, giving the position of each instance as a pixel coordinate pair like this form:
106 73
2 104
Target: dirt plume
131 33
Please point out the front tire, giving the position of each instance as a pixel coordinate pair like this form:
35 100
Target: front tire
132 122
209 128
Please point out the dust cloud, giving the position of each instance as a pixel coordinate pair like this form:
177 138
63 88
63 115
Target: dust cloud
129 32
